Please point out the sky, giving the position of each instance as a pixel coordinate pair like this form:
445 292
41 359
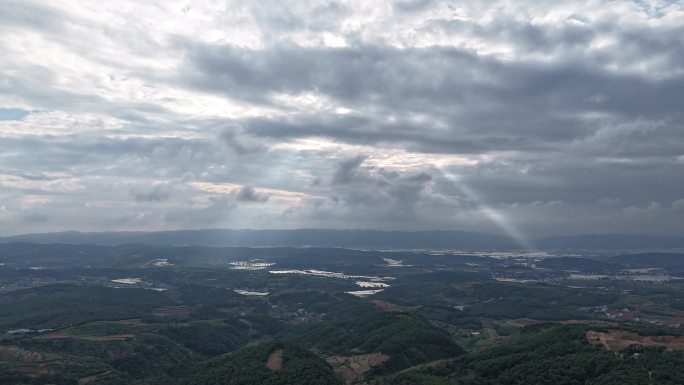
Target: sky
527 118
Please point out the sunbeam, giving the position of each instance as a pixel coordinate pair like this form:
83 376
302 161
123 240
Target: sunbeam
495 216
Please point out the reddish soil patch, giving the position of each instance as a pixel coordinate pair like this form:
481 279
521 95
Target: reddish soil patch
32 357
7 352
32 371
384 305
11 353
351 369
52 336
132 322
618 340
275 360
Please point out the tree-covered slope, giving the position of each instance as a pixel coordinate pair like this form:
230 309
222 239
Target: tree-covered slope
551 355
407 338
273 363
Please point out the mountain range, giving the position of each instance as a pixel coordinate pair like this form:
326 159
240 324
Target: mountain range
370 239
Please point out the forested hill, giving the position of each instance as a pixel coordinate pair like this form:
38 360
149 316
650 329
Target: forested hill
271 363
548 354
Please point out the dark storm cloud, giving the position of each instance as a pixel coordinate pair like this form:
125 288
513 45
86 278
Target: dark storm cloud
346 170
349 74
419 78
555 113
376 192
235 139
249 194
482 103
527 36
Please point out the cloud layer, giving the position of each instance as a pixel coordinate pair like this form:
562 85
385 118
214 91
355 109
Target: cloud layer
524 118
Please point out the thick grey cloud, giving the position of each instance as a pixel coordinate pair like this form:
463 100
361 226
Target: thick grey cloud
346 170
249 194
235 139
472 104
368 191
541 117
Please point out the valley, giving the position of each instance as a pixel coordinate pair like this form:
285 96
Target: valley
141 314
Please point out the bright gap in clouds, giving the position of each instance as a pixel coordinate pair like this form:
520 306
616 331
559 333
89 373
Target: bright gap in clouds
187 114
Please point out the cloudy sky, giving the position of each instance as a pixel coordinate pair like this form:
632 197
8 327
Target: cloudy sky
528 118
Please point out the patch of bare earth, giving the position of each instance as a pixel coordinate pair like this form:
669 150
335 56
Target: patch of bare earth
618 340
131 322
275 360
32 357
384 305
32 371
8 353
352 369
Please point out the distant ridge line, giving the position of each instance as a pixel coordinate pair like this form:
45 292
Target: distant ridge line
373 239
